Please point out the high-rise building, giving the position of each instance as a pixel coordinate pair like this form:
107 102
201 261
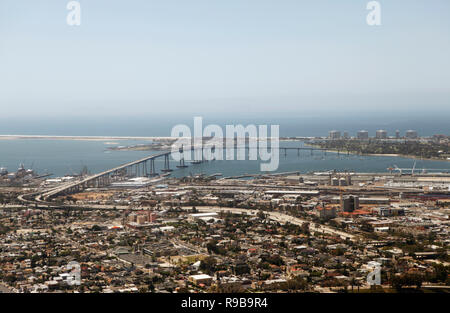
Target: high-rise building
346 136
411 134
381 134
350 203
363 134
397 134
335 134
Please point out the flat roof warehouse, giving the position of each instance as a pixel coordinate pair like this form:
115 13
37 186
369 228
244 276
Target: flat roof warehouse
294 192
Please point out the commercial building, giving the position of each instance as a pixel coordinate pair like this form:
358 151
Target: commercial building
293 192
326 213
334 134
350 203
340 180
364 200
381 134
197 216
363 134
388 211
141 219
411 134
137 182
201 279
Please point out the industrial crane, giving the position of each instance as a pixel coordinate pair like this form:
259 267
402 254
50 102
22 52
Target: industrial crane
413 169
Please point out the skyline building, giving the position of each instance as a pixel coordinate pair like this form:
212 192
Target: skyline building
335 134
411 134
363 134
381 134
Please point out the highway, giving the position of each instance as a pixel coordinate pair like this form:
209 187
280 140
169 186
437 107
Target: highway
282 218
70 185
44 195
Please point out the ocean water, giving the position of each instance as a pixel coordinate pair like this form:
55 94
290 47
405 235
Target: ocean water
67 157
307 124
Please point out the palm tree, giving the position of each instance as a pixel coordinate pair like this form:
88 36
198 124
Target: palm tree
353 282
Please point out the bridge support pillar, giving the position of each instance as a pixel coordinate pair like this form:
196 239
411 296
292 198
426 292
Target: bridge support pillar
166 163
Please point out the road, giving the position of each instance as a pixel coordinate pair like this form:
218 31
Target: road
282 218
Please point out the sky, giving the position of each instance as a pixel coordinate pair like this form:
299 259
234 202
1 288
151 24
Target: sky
223 57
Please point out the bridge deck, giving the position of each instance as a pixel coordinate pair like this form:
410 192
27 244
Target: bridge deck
104 173
64 187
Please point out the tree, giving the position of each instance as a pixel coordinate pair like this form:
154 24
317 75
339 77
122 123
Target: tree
261 215
354 282
440 273
228 288
408 279
297 283
213 248
208 264
96 228
305 228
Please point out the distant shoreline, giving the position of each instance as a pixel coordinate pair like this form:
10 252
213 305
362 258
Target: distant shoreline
97 138
156 138
381 154
85 138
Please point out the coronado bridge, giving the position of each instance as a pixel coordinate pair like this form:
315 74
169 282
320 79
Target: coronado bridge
144 167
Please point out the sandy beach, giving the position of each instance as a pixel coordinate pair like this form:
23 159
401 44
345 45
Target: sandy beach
86 138
382 155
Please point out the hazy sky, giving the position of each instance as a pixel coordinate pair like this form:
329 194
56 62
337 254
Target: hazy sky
222 56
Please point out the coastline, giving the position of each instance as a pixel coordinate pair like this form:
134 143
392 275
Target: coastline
95 138
85 138
382 155
162 139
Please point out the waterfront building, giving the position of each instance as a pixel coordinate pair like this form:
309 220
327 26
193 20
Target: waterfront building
411 134
363 134
381 134
335 134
